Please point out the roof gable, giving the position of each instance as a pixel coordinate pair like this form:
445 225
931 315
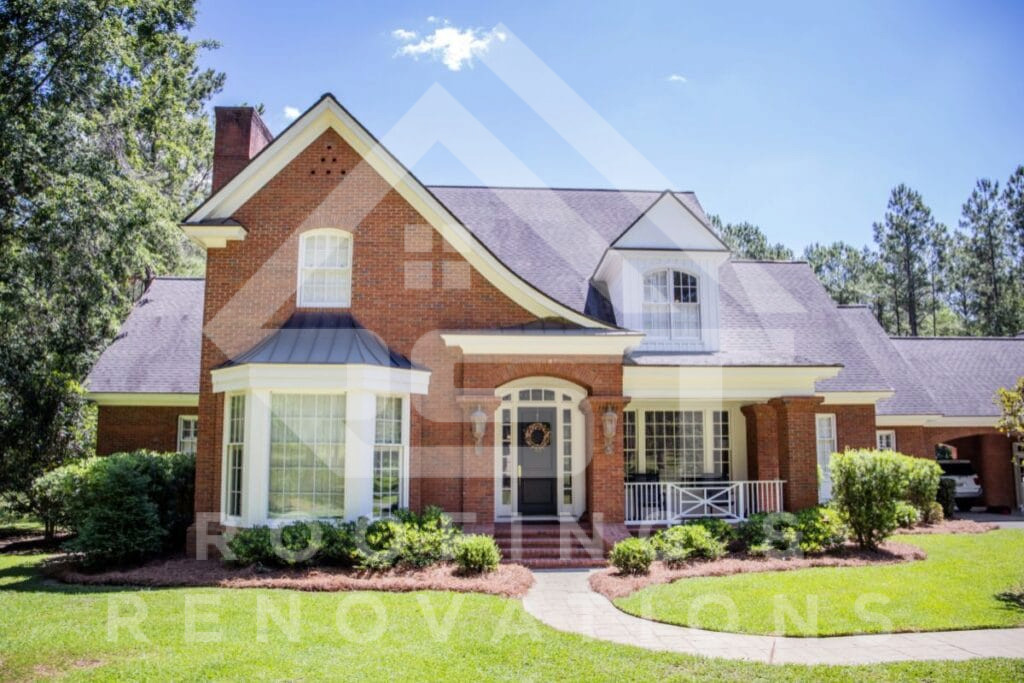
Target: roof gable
669 224
328 113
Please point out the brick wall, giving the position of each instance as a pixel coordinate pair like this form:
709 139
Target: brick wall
128 428
407 285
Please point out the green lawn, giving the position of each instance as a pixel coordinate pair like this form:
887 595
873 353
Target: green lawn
957 587
49 629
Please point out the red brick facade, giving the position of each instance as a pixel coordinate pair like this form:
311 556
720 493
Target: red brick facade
128 428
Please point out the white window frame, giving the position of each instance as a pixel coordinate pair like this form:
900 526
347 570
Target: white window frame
734 463
880 434
301 297
402 447
225 470
825 481
182 419
676 331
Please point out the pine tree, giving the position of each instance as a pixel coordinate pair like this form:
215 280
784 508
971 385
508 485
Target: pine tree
903 241
989 261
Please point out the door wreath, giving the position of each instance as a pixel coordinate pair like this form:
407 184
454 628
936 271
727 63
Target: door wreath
537 435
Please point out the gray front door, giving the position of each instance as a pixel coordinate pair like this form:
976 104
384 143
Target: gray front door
535 449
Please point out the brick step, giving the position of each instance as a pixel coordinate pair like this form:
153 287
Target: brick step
543 542
537 531
550 553
574 563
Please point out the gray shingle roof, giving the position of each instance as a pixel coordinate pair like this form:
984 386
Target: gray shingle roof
157 349
323 338
962 374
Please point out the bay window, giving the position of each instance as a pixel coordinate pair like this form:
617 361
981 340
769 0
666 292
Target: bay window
387 457
235 455
307 455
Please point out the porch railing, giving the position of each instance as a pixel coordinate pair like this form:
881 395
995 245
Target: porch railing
665 502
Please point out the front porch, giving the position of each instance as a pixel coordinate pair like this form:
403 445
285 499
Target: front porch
670 502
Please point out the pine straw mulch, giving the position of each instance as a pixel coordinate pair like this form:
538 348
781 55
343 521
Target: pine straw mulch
609 583
950 526
508 580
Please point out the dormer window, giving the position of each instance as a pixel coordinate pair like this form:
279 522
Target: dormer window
671 307
325 269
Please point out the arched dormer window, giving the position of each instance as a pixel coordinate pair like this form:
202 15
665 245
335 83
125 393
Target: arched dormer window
325 269
671 305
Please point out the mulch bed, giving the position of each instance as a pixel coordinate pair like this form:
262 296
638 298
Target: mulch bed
508 580
611 584
950 526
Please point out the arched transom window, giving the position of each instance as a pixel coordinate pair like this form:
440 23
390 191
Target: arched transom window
325 269
671 305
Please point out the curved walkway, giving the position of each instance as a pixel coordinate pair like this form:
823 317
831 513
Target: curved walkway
563 600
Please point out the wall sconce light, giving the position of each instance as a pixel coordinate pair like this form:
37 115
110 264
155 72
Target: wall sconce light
479 421
609 420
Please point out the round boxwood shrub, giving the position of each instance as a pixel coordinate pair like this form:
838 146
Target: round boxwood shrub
632 556
252 546
820 529
946 497
719 528
695 539
934 513
922 481
772 530
477 553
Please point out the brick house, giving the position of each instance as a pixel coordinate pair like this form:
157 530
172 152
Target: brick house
363 342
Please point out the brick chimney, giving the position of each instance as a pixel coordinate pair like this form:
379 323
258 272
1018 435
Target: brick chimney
240 134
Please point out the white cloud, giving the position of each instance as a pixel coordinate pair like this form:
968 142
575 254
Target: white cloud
403 34
454 47
291 113
676 78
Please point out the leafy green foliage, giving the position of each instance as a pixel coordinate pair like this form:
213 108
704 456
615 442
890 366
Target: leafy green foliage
946 497
747 240
921 481
104 144
820 529
719 528
477 553
1011 409
933 513
776 530
253 546
632 556
694 540
907 515
866 486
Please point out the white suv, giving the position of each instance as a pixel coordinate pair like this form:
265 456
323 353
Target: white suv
968 485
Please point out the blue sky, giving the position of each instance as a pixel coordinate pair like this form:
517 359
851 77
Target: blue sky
799 117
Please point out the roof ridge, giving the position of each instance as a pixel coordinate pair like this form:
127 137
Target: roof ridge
561 189
788 262
178 277
956 338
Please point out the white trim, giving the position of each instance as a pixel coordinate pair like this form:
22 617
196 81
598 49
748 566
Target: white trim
936 421
104 398
299 378
552 343
891 433
214 236
181 421
329 114
721 383
346 299
853 397
825 479
904 420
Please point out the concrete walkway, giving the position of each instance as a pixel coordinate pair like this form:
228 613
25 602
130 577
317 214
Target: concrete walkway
563 600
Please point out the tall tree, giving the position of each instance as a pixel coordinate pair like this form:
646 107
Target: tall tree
843 269
903 241
103 143
1013 196
989 262
747 240
938 264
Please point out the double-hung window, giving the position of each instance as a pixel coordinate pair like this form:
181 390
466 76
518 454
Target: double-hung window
187 433
307 455
671 306
387 457
325 269
885 439
678 445
235 454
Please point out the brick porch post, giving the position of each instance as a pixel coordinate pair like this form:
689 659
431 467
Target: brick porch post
605 474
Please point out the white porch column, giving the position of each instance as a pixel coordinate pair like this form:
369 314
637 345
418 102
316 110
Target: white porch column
256 463
360 413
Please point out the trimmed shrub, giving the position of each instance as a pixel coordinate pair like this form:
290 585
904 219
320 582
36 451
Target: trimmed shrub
922 481
253 546
774 529
632 556
719 528
907 515
695 539
866 485
477 553
338 544
114 519
934 513
675 556
820 529
946 497
50 495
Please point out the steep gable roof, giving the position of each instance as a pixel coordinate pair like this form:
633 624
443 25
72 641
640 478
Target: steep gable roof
327 113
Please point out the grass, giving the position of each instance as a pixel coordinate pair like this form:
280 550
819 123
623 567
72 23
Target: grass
51 629
967 582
